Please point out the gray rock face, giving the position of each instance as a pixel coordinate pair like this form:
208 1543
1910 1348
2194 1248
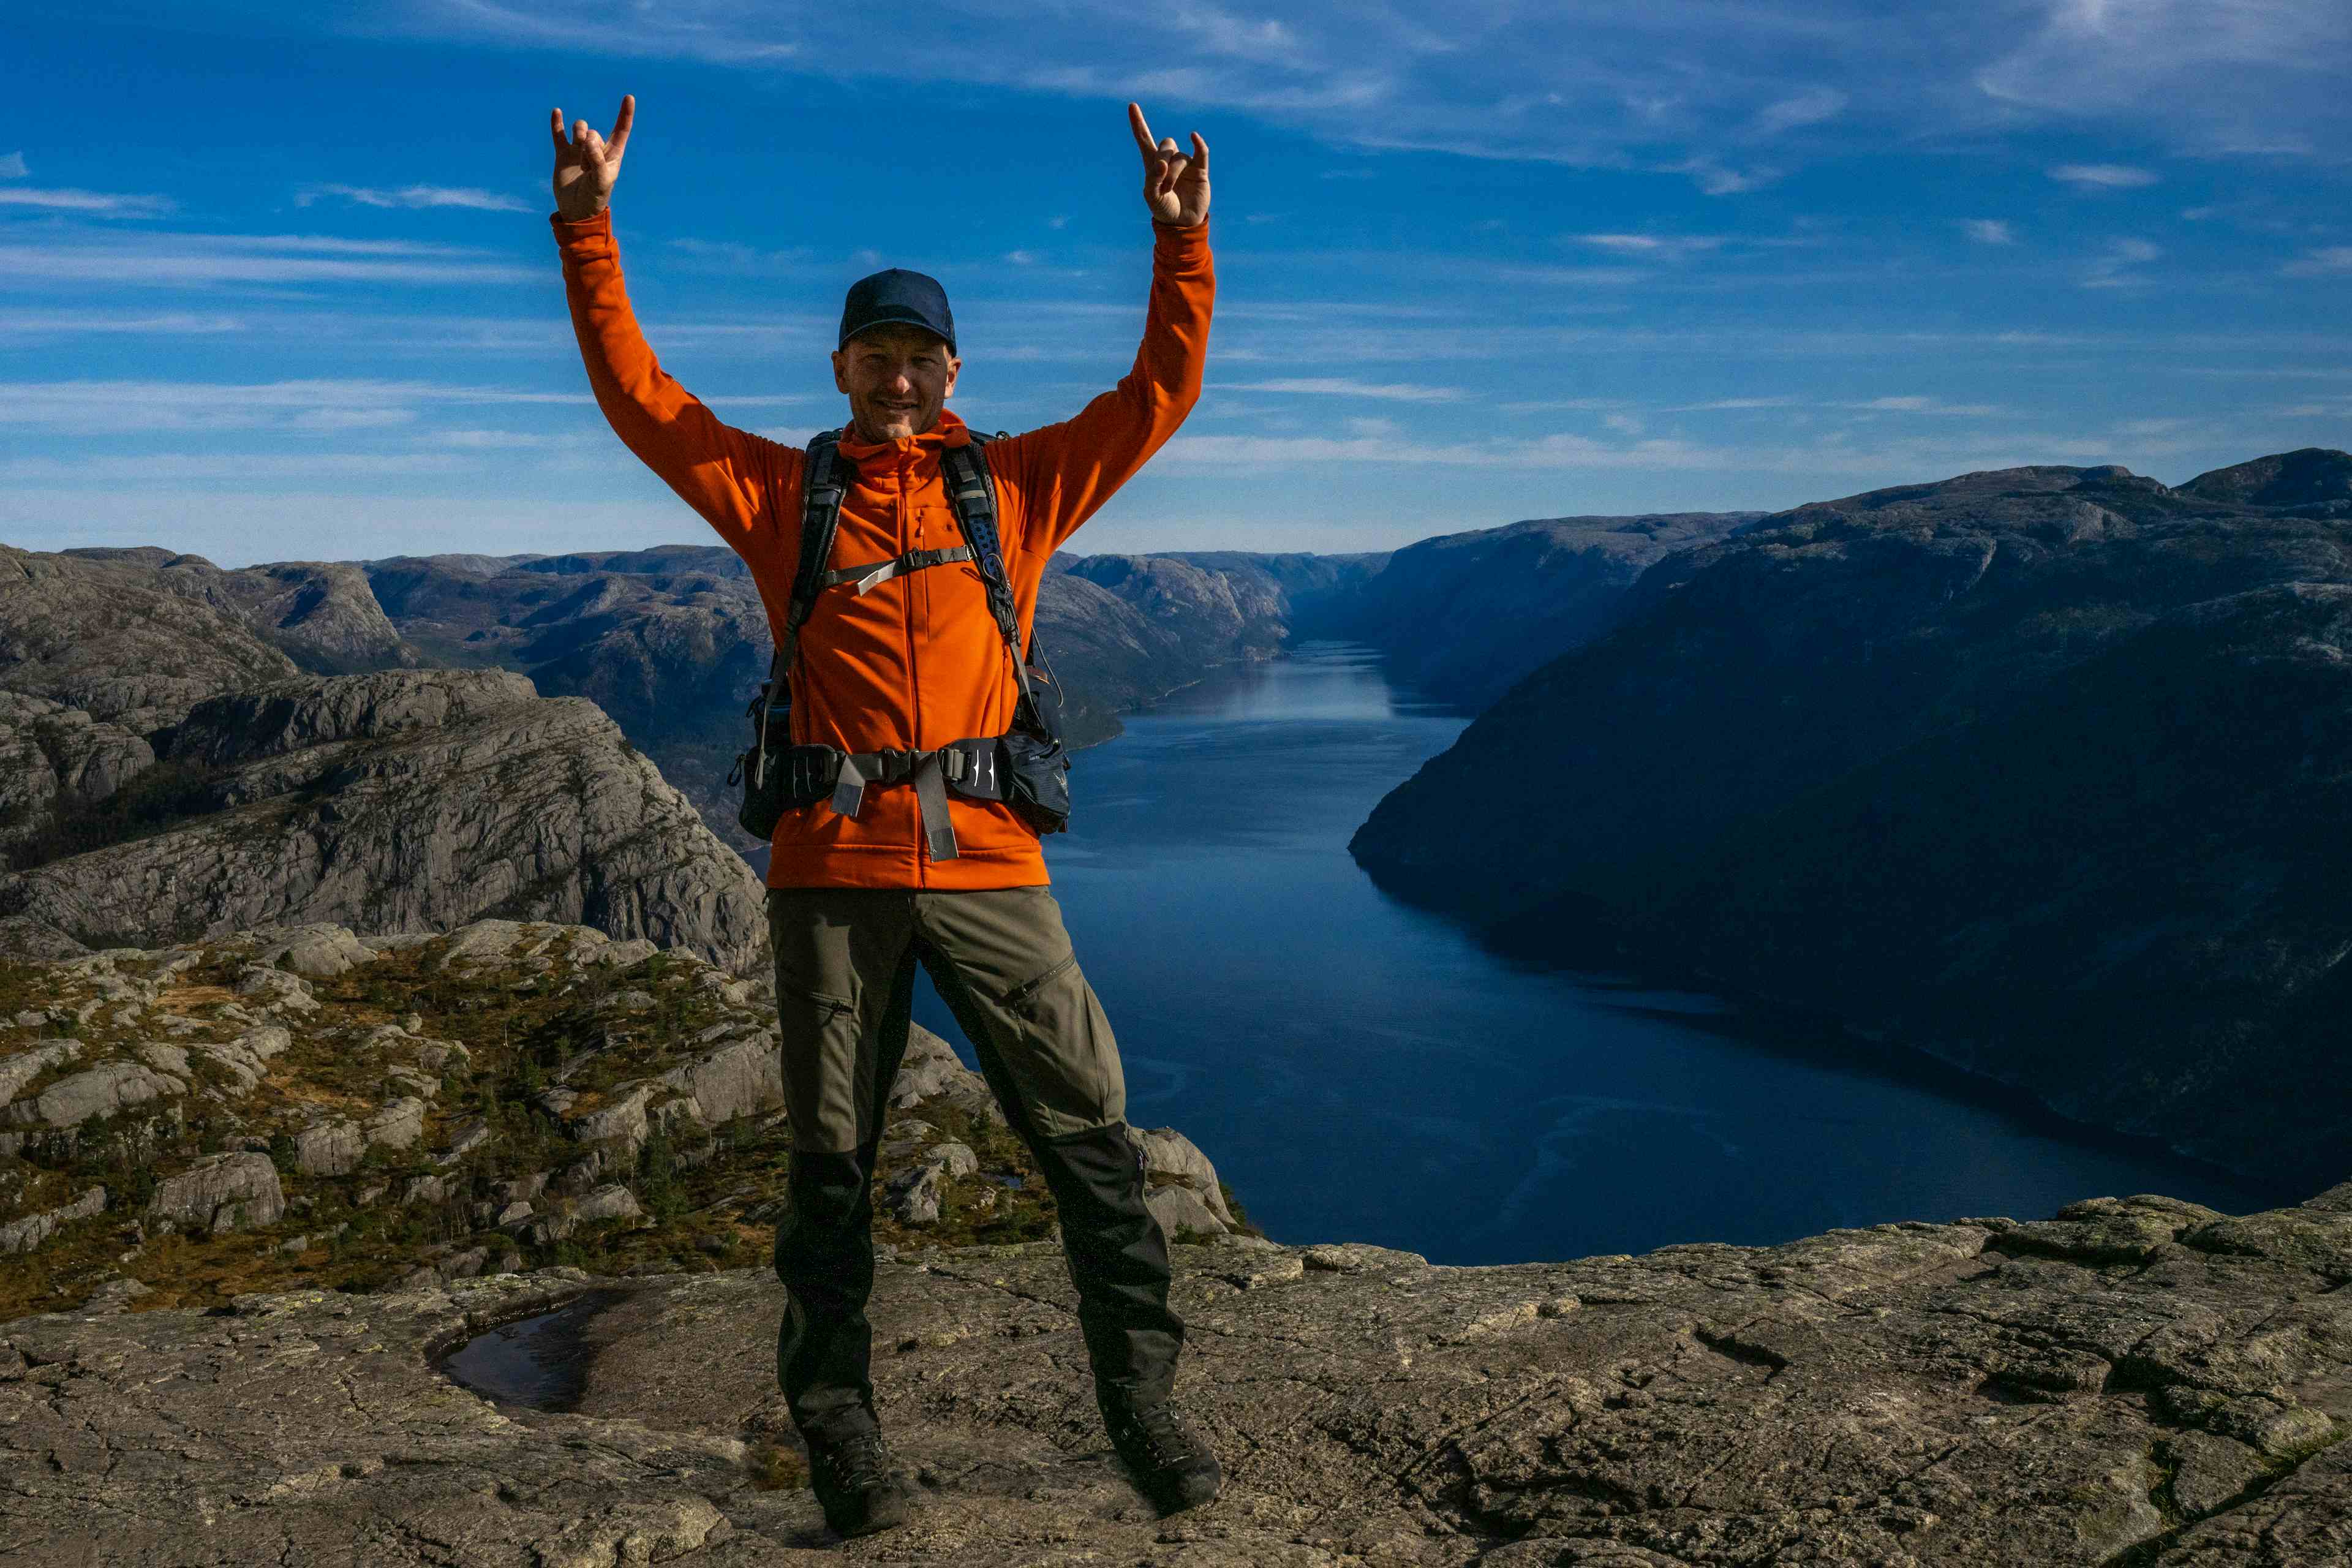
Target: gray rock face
736 1079
53 756
609 1202
101 1091
19 1070
320 613
2022 768
112 640
222 1191
1465 616
411 801
1937 1396
1167 1153
24 1235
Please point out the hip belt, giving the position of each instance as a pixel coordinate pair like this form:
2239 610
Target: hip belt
974 769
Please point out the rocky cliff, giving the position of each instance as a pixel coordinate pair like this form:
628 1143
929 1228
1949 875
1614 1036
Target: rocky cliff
301 1105
2135 1384
170 772
401 801
2042 768
1463 615
321 614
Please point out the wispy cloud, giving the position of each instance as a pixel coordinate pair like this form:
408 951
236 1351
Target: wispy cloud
2226 76
2103 176
12 166
182 260
2331 261
2119 268
1665 247
106 407
1584 85
1343 386
1808 108
137 323
1989 230
415 197
1718 179
86 204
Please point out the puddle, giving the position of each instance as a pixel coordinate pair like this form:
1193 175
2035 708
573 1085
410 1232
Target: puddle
540 1363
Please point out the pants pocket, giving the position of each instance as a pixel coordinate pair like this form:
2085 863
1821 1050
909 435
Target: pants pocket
818 1037
1062 1051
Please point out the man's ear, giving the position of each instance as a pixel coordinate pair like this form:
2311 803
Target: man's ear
954 364
840 362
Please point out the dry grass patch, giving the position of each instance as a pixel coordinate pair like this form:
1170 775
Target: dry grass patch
185 1000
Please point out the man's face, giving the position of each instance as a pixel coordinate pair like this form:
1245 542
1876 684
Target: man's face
898 379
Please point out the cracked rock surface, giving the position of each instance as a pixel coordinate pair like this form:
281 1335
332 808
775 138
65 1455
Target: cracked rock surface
2138 1382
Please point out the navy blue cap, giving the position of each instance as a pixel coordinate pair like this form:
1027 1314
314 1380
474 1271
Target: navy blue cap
897 297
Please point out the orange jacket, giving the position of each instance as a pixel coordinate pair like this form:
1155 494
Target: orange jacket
918 661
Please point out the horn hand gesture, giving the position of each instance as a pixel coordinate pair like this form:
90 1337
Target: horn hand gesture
587 164
1175 183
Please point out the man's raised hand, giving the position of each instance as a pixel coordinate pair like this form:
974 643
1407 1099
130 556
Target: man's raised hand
1175 184
586 165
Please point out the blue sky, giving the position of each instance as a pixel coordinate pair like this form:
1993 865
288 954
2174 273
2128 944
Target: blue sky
276 281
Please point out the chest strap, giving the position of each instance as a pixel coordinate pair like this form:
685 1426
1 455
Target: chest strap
874 574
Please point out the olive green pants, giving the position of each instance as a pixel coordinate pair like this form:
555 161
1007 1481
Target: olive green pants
1001 959
846 962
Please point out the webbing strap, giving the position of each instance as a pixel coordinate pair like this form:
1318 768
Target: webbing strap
971 490
874 574
929 771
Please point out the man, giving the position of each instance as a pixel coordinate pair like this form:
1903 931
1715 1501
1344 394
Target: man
908 659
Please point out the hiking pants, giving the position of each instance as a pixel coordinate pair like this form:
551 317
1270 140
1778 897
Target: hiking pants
1001 959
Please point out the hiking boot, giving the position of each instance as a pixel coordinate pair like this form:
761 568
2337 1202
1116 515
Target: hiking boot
857 1484
1172 1462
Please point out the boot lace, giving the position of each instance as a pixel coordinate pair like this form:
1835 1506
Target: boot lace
857 1463
1164 1435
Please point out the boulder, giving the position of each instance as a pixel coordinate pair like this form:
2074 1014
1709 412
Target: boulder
610 1202
24 1235
246 1059
331 1147
1181 1212
737 1078
96 1092
1169 1153
222 1191
17 1071
319 952
398 1125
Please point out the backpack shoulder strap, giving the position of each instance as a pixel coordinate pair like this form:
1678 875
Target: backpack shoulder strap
972 494
822 487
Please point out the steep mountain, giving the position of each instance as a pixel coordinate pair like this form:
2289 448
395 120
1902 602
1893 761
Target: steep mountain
1463 615
406 801
113 641
2042 768
2313 481
321 614
169 773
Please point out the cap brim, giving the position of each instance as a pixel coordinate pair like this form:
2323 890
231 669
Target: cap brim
899 319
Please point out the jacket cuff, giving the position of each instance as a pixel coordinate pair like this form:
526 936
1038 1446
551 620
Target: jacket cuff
1188 243
567 233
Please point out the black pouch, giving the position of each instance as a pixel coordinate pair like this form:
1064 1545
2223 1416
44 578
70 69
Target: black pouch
786 777
1037 778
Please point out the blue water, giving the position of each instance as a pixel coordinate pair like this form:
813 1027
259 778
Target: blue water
1360 1070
